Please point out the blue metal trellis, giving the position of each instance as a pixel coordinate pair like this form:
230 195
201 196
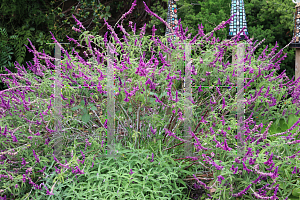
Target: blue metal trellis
239 20
172 19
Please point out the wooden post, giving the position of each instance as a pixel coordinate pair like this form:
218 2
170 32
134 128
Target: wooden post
188 99
110 102
240 98
57 136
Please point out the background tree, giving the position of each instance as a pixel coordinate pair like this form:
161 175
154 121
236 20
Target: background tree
272 20
33 19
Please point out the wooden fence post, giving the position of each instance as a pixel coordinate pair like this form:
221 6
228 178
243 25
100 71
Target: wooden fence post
240 98
57 136
110 102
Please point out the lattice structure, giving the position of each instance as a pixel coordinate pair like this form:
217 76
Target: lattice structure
296 33
235 26
296 43
172 19
239 20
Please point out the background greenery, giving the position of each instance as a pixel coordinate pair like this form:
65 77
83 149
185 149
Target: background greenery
33 19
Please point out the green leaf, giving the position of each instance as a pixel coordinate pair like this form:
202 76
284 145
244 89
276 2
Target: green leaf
287 174
84 110
272 129
296 192
93 108
292 119
75 108
85 117
82 103
293 198
282 185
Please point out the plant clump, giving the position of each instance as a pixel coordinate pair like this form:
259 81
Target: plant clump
150 106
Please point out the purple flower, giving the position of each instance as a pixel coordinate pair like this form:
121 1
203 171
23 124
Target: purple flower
201 183
252 161
270 169
14 138
257 180
130 10
153 131
57 170
23 162
153 30
220 178
78 22
295 170
294 142
226 147
207 73
24 178
242 192
237 160
275 173
269 161
193 158
223 106
55 158
35 156
172 134
155 15
48 192
131 172
152 157
245 168
77 30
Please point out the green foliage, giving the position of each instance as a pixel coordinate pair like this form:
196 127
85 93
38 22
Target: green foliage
272 20
6 50
85 115
109 177
20 47
282 124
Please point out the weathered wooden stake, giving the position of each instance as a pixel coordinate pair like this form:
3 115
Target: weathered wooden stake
240 113
57 136
110 102
188 100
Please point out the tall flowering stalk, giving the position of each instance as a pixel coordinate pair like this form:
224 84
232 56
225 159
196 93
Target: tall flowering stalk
160 19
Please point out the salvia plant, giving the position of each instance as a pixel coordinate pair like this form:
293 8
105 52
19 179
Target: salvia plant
149 110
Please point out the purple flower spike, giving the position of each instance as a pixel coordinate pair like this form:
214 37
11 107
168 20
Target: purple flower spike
35 156
295 170
130 10
153 131
220 178
131 172
78 22
269 161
